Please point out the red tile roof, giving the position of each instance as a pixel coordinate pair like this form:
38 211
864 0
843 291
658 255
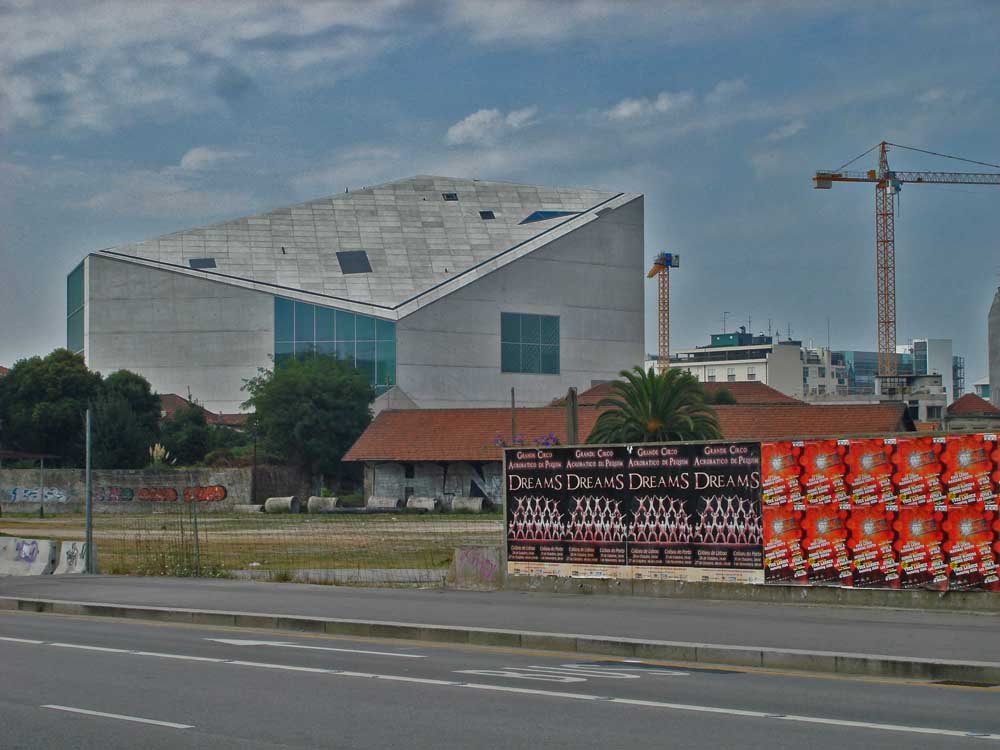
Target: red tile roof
3 371
469 434
748 392
972 405
171 402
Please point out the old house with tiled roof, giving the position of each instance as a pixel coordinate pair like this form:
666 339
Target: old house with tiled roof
441 452
971 413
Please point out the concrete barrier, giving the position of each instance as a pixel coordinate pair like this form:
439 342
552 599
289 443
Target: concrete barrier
72 558
27 557
317 504
247 508
421 503
282 505
377 502
476 569
467 504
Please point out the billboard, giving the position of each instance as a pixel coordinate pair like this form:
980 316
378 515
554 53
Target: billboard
679 511
894 512
900 512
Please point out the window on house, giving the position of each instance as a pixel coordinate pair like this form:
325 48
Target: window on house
408 471
529 343
731 374
487 215
933 412
821 389
74 309
821 371
546 215
805 374
711 374
751 373
354 261
366 343
450 196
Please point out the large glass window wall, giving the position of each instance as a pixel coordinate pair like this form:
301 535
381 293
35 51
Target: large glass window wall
367 343
74 310
529 343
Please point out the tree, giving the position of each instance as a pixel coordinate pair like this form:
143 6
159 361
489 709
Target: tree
185 435
42 405
139 395
119 439
724 397
310 410
648 407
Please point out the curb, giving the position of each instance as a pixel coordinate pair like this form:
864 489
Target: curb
869 665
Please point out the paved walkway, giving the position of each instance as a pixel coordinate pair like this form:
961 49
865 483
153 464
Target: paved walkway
933 635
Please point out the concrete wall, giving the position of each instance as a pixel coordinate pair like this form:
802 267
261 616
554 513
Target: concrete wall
428 480
120 490
448 353
183 334
993 341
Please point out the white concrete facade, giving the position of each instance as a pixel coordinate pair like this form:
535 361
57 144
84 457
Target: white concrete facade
204 332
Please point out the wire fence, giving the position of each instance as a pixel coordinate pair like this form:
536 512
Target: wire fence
399 548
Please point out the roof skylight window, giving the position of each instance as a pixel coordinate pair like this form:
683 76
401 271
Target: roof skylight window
487 215
354 261
201 263
450 196
546 215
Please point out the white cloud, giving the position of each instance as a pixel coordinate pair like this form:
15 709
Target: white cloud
94 64
163 194
787 130
489 125
723 91
628 109
203 157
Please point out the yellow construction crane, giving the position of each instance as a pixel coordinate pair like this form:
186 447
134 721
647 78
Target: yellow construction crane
662 264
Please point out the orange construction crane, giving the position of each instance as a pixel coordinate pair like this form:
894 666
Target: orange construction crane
888 183
662 264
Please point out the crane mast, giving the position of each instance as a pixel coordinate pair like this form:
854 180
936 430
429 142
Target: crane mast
662 264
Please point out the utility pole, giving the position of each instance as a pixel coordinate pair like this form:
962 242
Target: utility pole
89 522
513 420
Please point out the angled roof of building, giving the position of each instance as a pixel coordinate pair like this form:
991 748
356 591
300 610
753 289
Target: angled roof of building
420 234
171 402
472 434
750 392
972 405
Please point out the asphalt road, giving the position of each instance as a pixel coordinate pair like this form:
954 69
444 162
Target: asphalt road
931 635
82 682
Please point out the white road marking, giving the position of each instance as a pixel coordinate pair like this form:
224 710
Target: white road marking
121 717
21 640
284 644
521 675
736 712
176 656
91 648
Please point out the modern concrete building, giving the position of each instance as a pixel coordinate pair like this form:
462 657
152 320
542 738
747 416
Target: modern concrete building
445 292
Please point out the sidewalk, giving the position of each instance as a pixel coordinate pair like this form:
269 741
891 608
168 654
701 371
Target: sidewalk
851 630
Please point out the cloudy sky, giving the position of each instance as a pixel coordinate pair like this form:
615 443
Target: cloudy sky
126 120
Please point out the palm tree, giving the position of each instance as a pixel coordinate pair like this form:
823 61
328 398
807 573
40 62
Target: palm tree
648 407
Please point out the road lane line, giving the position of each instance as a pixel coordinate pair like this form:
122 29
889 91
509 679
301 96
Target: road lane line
265 665
21 640
285 644
92 648
807 719
177 656
120 717
529 691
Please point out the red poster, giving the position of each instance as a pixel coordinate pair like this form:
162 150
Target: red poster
782 504
825 521
971 508
872 512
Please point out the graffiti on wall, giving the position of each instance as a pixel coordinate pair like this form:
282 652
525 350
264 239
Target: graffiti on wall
157 495
26 550
113 494
212 493
31 495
